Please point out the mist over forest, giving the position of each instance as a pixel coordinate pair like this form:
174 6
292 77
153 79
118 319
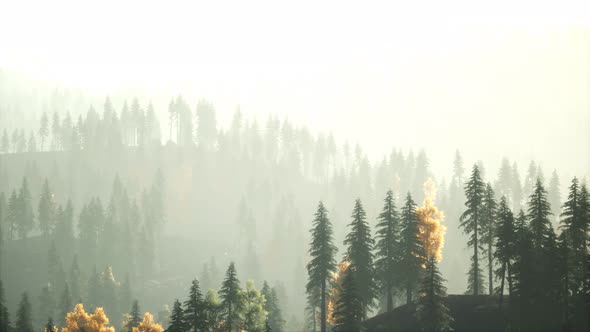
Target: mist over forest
433 180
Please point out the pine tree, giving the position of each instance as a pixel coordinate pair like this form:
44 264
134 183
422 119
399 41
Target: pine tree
65 304
505 235
177 323
360 252
230 297
411 250
25 215
275 316
349 309
387 257
24 315
323 263
46 210
75 280
431 312
488 219
472 224
134 317
44 129
539 211
194 316
50 327
572 222
4 315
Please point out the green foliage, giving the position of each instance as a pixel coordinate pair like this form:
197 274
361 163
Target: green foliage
349 309
411 250
24 315
4 315
322 261
388 250
134 317
252 312
489 224
46 211
230 297
194 315
472 224
431 311
505 236
177 323
275 320
360 252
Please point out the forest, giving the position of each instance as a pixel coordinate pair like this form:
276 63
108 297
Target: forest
271 228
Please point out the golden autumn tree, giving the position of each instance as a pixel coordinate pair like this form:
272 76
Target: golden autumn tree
148 324
80 321
336 282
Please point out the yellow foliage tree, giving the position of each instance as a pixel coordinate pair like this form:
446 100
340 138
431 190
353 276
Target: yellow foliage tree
80 321
148 325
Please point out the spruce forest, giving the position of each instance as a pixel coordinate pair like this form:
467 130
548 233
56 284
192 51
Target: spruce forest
216 203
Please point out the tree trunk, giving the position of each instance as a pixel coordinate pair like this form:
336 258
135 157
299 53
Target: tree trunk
476 263
323 307
389 300
502 286
490 272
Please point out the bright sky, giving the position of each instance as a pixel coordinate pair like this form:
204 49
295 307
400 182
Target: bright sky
472 75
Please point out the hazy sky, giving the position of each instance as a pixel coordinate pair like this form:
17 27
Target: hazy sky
428 74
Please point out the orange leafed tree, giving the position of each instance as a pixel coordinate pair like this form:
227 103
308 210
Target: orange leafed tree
80 321
148 325
432 232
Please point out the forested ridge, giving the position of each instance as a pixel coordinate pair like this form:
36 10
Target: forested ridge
267 226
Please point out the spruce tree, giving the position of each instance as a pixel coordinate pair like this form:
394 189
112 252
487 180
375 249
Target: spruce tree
573 223
322 263
360 252
24 315
505 235
387 257
4 315
135 317
411 250
432 313
488 218
46 211
230 297
349 308
177 323
472 224
194 315
275 317
539 211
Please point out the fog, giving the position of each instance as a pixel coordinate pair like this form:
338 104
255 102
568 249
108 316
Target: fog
285 104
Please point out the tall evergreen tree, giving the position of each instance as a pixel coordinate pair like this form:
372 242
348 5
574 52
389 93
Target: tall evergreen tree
472 224
4 315
505 235
387 258
322 263
25 216
539 211
411 250
24 315
275 316
177 323
46 210
194 315
230 297
431 312
65 305
488 218
134 317
360 252
50 326
349 308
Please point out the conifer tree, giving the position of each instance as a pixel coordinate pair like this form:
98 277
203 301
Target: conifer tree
230 297
4 315
322 263
25 216
360 252
194 315
539 211
505 235
75 280
387 257
65 304
24 315
44 129
349 309
134 317
177 323
275 317
472 224
488 218
411 250
50 327
46 210
431 312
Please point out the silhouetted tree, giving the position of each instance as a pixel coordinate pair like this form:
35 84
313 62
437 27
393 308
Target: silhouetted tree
431 311
360 252
230 297
134 317
388 255
322 263
177 323
194 315
4 315
472 224
24 315
411 250
488 219
275 319
505 235
349 308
